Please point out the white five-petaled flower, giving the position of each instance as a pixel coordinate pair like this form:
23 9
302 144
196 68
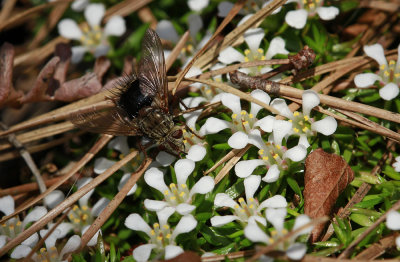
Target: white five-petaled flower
177 196
253 38
82 215
302 125
396 164
272 154
243 122
162 237
14 226
244 210
50 253
92 37
393 223
276 217
305 8
388 74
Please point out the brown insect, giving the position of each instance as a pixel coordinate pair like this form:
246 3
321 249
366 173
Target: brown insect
141 103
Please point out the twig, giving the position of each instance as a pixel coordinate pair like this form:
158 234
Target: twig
231 163
176 51
85 159
115 202
347 252
377 249
25 188
27 157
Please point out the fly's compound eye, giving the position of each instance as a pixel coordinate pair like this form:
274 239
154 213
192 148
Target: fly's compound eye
177 134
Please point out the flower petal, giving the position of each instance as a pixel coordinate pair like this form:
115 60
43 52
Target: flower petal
232 102
245 168
230 55
263 97
165 159
280 105
94 239
166 30
251 185
327 13
296 18
195 23
83 201
94 13
183 168
389 91
99 206
203 186
101 164
266 123
54 198
296 153
79 5
101 50
155 178
68 28
224 8
223 200
142 253
365 80
276 201
20 251
256 139
164 214
219 221
120 143
214 125
254 233
281 129
77 53
196 153
296 251
303 140
123 181
172 251
310 100
253 38
154 205
326 126
186 224
35 215
238 140
300 221
276 216
115 26
32 240
3 239
272 174
376 52
72 244
277 46
185 209
7 205
135 222
197 5
393 220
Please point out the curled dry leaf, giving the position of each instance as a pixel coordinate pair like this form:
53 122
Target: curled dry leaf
326 176
8 95
101 66
82 87
63 51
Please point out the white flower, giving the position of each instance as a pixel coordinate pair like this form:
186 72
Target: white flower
298 18
245 210
253 38
272 154
276 217
14 226
393 223
197 5
162 237
50 253
243 123
92 37
388 74
396 164
302 125
177 196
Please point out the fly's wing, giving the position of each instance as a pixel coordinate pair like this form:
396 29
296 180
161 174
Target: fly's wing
152 75
112 121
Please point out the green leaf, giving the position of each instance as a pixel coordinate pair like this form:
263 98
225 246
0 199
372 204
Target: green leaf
361 219
294 186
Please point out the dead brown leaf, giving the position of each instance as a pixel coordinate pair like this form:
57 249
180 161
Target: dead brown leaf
326 176
74 89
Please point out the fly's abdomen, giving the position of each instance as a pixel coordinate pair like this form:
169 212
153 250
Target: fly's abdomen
155 123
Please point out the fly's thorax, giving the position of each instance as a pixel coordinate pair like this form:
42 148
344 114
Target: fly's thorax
155 123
